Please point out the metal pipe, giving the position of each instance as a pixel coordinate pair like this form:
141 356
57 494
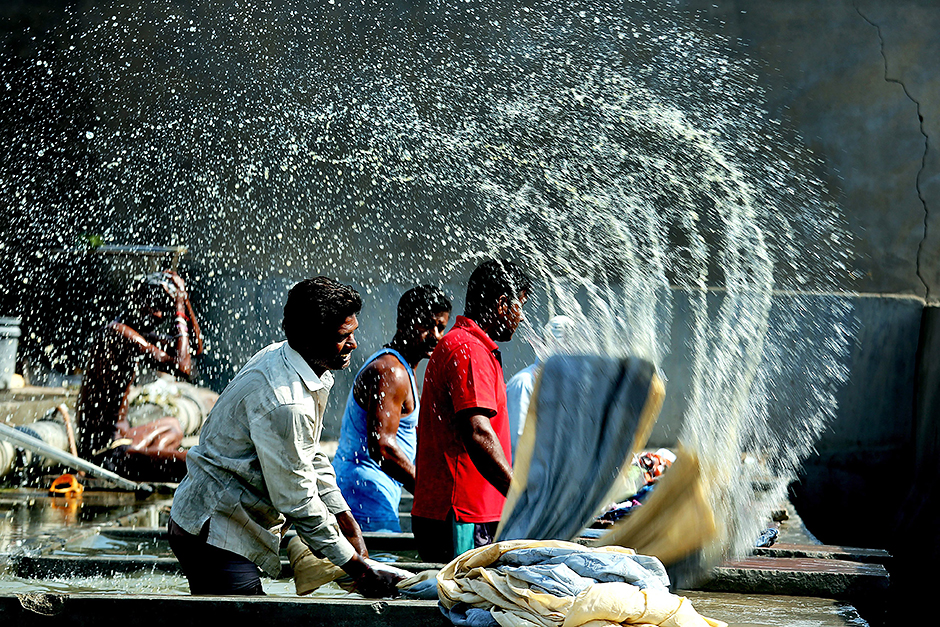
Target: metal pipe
41 448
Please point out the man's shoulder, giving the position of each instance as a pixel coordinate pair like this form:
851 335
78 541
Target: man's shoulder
385 371
461 339
264 374
526 376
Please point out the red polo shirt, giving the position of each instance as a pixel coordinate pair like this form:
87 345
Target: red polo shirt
464 372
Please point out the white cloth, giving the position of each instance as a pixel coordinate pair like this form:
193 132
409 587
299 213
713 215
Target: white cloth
258 464
518 393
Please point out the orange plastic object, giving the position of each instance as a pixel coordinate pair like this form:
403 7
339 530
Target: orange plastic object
66 485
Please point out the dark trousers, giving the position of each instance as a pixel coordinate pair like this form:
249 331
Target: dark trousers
211 570
440 541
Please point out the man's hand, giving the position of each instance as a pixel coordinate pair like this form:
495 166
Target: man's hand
378 583
350 528
178 284
370 582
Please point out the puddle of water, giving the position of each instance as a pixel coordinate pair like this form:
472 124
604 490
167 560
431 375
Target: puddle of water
34 525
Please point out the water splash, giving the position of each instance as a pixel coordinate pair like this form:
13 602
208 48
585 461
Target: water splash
619 151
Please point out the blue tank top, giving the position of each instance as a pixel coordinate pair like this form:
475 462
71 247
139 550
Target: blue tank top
372 495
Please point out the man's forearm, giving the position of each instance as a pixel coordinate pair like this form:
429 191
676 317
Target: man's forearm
401 470
393 462
351 530
486 452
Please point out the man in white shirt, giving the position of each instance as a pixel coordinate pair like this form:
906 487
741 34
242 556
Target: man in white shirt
258 467
556 338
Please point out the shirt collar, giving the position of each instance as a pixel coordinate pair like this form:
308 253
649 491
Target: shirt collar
472 327
307 375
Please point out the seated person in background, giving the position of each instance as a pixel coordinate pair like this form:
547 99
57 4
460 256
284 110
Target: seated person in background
556 336
463 465
148 452
375 456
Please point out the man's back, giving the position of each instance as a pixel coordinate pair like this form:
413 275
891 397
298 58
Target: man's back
110 370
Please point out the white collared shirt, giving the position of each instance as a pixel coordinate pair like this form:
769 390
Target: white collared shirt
258 464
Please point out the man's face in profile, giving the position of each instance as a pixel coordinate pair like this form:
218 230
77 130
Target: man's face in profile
509 316
430 332
149 308
333 351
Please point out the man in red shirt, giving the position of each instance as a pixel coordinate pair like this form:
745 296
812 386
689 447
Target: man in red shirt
463 466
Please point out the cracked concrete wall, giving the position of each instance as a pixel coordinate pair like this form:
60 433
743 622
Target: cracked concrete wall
858 81
854 79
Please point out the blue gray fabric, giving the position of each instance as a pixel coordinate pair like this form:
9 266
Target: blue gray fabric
638 570
588 411
426 589
464 615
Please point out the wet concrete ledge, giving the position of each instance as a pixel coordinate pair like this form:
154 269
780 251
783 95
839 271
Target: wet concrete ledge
826 551
81 610
66 566
838 579
805 571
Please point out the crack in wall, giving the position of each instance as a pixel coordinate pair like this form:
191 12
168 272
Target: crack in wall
923 160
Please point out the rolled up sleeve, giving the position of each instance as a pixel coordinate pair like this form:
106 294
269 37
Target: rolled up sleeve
300 480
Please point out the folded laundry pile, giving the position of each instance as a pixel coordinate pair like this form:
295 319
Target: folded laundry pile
552 583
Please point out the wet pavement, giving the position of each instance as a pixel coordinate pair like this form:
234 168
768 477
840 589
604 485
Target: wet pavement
124 535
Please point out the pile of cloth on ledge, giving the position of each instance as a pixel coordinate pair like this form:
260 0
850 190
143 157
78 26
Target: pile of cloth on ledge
552 583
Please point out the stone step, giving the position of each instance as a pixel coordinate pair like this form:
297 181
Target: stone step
801 576
825 551
88 609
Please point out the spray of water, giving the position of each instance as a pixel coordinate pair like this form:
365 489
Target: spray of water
621 152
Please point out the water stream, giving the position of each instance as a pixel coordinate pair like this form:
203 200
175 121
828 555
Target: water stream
619 151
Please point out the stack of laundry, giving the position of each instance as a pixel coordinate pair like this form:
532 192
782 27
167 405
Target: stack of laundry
551 583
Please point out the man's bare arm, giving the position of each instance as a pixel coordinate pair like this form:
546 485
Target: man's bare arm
350 528
484 447
178 361
382 390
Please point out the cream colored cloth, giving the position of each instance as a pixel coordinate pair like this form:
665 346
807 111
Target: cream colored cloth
312 572
485 579
675 521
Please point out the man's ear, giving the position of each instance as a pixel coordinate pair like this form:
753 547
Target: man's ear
502 306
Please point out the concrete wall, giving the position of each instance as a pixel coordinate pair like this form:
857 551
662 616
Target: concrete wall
858 81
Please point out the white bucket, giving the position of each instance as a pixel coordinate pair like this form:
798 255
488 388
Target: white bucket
9 339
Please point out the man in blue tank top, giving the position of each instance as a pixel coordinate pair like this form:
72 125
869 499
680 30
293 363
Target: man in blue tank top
378 438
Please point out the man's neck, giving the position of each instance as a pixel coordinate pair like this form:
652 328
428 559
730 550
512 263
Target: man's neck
406 350
318 368
486 327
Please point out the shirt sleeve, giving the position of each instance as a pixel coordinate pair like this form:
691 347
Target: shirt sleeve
326 484
471 376
291 463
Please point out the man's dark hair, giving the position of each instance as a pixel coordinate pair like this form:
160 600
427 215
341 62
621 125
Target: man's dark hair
315 304
152 291
490 280
419 304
